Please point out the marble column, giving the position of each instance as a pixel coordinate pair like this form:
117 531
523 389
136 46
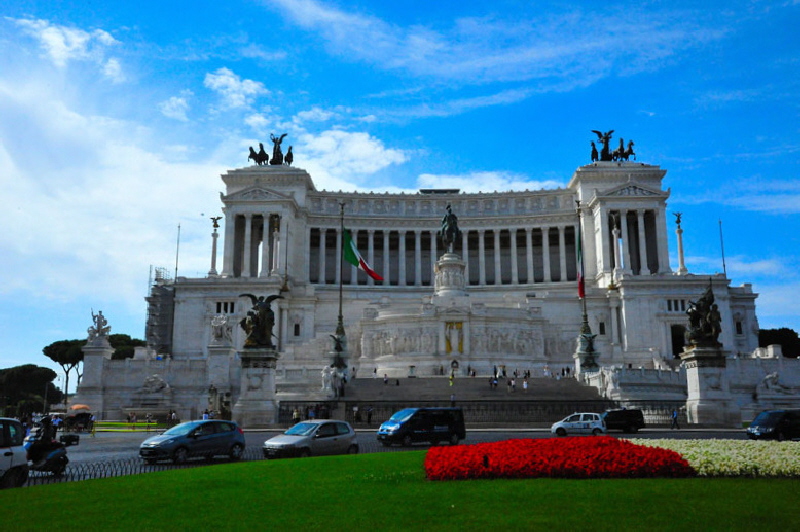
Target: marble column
322 273
229 250
481 257
417 258
514 265
498 272
529 253
626 249
546 254
465 254
354 269
643 269
371 254
386 256
265 249
562 253
247 244
401 275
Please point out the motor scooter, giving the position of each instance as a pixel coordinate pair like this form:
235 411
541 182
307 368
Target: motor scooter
45 453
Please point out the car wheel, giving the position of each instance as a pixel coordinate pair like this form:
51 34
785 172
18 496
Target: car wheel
633 429
353 449
180 455
454 439
407 441
150 461
561 432
780 436
305 453
597 432
386 444
434 443
236 452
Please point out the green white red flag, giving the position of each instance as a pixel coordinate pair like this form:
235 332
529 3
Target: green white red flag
352 256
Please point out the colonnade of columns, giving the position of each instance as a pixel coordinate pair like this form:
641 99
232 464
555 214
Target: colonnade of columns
638 233
253 245
405 257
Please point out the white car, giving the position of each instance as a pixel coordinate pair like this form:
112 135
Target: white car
580 423
313 438
13 458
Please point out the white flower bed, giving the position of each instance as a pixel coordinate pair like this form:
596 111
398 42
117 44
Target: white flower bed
735 458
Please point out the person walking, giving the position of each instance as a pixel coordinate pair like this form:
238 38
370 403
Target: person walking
674 420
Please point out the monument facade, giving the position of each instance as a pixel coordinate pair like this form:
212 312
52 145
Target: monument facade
492 283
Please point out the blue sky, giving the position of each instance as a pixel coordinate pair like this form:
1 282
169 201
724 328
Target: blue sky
117 118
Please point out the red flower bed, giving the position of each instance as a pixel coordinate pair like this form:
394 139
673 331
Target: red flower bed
595 457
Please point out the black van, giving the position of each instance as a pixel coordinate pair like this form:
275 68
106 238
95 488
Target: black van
432 425
624 420
775 425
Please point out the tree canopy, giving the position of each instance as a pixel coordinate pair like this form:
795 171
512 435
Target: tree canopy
26 388
124 346
786 338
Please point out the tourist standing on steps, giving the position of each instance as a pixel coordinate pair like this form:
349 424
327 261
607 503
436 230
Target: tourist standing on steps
674 420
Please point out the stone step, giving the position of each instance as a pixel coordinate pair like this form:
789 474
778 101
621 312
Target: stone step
468 389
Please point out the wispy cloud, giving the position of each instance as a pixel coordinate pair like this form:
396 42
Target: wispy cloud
550 49
771 197
63 44
235 92
484 182
177 106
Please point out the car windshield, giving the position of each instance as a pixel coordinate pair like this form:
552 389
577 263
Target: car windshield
767 418
403 415
181 430
302 429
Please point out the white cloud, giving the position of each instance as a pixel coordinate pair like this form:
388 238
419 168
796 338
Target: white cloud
63 44
484 182
341 160
235 92
113 70
177 106
315 114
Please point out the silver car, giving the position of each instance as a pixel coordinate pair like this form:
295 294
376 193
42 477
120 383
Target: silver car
313 438
580 423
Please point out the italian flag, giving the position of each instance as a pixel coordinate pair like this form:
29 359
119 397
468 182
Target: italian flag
352 256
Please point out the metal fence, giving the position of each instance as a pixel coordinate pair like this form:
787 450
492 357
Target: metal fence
127 466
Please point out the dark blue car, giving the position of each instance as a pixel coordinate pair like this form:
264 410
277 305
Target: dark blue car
205 438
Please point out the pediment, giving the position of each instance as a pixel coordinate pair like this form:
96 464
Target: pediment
255 193
631 190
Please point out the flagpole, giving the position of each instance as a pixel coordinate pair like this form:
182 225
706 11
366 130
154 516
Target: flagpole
585 328
340 324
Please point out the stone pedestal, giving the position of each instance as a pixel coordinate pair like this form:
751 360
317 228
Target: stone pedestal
90 390
256 406
585 356
449 277
709 400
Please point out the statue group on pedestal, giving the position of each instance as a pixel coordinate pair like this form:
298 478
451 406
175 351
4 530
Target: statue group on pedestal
620 154
258 322
704 321
100 329
261 158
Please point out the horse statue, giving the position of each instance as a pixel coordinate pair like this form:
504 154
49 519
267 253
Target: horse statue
450 232
289 159
259 158
621 154
595 156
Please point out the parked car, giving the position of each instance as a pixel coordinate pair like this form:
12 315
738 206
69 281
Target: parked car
206 438
623 419
579 423
13 457
313 438
432 425
775 425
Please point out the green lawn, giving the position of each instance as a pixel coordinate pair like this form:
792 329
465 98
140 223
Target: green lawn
388 491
